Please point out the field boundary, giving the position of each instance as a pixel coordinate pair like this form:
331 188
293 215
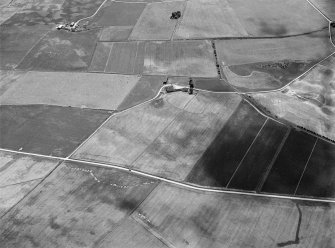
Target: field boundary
303 172
218 67
260 112
109 55
269 167
318 10
34 45
23 182
330 34
152 231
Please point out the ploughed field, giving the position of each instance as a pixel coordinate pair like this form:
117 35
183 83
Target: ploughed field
97 151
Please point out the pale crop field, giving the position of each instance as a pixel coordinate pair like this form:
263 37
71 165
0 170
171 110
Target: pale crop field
180 58
155 22
82 90
19 175
209 19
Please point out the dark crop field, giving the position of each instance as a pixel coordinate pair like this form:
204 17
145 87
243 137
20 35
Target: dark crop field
220 160
319 177
48 130
213 84
291 161
259 157
16 42
62 51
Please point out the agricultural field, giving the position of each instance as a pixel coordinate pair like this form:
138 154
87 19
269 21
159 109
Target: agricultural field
303 47
188 218
155 58
155 22
125 58
81 90
302 167
7 77
180 58
40 12
23 24
106 142
266 64
220 21
115 33
236 18
255 163
124 137
6 13
73 10
19 175
75 206
326 6
318 178
170 142
145 89
140 238
16 42
175 151
307 102
61 51
277 18
117 14
49 130
118 57
219 161
86 205
290 163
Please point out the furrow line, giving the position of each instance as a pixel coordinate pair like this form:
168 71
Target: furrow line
303 172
